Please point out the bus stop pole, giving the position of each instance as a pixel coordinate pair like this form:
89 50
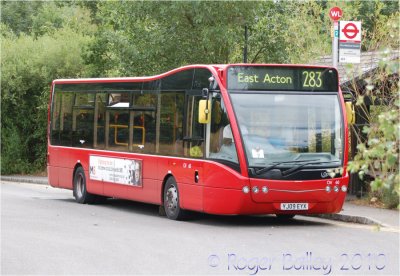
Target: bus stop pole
335 44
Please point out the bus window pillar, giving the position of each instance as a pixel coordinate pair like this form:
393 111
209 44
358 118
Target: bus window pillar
131 129
95 121
158 122
74 115
107 129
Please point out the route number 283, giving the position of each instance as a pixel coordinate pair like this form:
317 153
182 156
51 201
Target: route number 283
312 79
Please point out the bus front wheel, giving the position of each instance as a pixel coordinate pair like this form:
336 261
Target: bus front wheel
171 201
80 193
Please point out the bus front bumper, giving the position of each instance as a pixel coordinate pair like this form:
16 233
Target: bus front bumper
235 202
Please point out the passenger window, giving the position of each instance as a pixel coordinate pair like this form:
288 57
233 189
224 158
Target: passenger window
55 120
100 121
144 122
66 119
83 117
117 121
84 99
171 123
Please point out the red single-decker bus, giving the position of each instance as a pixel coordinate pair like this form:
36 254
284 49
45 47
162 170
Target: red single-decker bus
219 139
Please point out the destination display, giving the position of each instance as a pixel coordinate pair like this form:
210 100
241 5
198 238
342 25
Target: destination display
271 78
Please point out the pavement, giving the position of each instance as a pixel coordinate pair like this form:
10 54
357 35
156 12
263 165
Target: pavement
351 212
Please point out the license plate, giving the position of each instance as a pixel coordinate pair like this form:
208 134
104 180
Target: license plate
294 206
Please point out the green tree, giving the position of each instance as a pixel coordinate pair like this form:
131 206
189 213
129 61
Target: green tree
28 65
150 37
42 41
138 38
18 14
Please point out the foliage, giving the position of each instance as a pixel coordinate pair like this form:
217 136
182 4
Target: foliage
136 38
379 156
28 65
17 14
44 40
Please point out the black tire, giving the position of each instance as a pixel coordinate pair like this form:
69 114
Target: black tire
285 216
80 193
171 201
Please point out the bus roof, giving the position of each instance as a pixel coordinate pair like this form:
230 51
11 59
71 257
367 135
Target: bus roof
214 68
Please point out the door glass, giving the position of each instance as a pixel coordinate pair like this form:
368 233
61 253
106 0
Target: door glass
193 139
222 144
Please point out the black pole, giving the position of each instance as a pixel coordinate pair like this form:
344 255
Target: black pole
245 45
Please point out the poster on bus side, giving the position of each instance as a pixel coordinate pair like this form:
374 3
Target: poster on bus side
116 170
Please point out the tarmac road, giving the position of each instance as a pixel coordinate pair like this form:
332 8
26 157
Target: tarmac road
43 231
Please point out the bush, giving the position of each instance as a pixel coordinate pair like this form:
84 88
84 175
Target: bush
379 156
28 66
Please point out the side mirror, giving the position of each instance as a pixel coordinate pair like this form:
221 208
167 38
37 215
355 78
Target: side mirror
350 113
204 111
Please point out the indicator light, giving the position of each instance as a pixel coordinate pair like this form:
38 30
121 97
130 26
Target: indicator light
336 189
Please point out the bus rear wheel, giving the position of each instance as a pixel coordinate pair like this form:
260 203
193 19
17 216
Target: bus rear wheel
172 202
79 190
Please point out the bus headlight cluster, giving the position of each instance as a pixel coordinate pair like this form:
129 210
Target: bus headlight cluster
344 189
255 189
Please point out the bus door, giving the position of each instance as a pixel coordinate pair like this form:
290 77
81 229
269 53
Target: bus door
189 170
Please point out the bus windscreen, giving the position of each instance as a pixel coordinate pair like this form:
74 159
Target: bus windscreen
273 78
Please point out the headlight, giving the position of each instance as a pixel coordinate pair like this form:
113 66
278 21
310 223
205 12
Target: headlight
328 189
264 189
255 189
246 189
344 189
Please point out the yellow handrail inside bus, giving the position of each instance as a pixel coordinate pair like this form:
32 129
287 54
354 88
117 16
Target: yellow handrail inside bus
116 127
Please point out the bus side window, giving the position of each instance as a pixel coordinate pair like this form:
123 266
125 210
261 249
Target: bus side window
83 116
171 123
55 121
66 119
117 121
99 121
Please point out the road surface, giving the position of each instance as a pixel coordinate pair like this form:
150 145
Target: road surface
43 231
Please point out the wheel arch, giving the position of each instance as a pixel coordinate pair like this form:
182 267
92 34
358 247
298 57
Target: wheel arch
77 165
166 177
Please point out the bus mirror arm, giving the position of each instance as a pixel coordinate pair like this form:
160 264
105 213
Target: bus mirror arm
205 93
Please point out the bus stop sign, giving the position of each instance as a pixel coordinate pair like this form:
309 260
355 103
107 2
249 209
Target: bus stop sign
349 41
335 13
350 30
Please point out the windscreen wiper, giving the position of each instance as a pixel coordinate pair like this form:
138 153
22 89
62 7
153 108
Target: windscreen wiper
298 167
275 164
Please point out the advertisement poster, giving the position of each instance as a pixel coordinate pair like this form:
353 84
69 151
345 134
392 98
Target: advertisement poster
115 170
